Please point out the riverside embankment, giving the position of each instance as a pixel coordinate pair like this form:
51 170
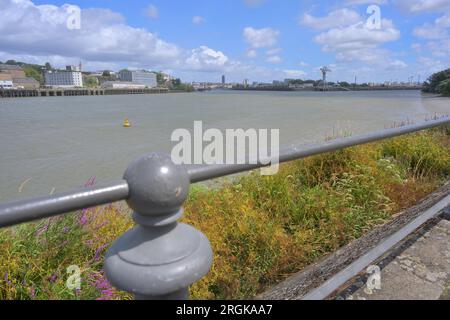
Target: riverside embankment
68 92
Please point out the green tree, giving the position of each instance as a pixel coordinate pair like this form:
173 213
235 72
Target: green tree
106 73
344 84
176 82
444 87
295 81
48 66
90 82
34 72
160 78
435 80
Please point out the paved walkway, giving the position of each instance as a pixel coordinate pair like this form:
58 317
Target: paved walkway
417 270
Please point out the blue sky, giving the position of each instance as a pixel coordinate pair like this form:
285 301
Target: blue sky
261 40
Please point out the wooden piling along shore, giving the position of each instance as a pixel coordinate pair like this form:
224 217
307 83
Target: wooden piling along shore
23 93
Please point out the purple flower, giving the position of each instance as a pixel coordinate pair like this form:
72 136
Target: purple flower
33 293
53 278
83 219
98 252
42 230
7 278
100 282
102 225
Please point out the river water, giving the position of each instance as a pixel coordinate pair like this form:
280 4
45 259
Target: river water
58 143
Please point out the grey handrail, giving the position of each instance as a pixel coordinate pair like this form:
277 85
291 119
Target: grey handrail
161 258
45 207
203 173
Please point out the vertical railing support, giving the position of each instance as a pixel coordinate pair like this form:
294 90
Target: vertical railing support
160 258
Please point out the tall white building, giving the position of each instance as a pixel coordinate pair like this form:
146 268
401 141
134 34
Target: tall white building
146 78
69 78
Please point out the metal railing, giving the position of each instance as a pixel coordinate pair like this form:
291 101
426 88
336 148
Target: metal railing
161 257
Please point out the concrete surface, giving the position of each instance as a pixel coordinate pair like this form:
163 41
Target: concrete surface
418 270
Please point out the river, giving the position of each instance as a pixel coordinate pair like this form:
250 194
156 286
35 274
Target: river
58 143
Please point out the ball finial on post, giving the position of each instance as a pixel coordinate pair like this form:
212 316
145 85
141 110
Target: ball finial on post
160 258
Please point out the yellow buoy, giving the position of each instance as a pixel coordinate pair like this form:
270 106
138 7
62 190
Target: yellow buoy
126 123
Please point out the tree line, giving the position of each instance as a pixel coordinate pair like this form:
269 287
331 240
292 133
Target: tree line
438 82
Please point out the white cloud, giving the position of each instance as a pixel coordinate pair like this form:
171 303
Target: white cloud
295 73
440 48
357 37
417 6
417 47
261 38
38 33
207 59
397 64
274 59
436 31
41 30
430 65
360 44
152 12
198 19
430 31
360 2
337 18
444 21
273 52
251 53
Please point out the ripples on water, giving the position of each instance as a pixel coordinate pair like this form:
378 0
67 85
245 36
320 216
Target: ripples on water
61 142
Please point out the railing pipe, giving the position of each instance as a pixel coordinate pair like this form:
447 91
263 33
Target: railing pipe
202 172
45 207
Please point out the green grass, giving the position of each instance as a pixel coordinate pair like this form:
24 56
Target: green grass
262 229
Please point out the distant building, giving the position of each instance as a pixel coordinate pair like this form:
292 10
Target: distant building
71 77
144 77
278 83
122 85
13 70
26 83
13 76
223 79
5 81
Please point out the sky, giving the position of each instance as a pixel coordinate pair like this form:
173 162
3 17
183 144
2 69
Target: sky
259 40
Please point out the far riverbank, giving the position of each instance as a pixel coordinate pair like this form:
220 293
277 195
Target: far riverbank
65 92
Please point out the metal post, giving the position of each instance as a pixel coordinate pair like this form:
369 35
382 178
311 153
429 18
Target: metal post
160 258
